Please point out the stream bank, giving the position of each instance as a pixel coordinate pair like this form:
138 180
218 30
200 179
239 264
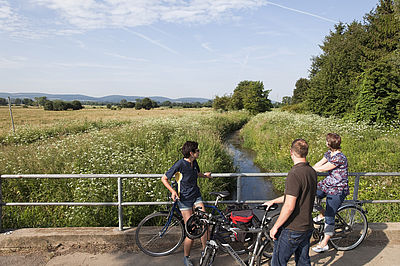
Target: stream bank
251 188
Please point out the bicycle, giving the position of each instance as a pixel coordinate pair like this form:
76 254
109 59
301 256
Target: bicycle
161 233
259 254
351 226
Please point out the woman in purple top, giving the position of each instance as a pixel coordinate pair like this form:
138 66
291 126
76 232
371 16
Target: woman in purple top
334 187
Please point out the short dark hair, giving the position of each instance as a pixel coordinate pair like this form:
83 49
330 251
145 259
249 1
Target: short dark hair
333 141
300 147
189 146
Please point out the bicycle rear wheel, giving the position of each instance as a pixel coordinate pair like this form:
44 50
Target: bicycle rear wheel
156 238
350 228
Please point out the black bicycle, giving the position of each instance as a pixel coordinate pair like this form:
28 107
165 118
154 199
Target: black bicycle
351 226
259 253
163 232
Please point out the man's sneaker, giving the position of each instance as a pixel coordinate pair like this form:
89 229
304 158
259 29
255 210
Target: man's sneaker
318 249
318 219
187 261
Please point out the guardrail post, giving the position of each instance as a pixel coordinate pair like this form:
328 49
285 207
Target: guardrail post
356 185
238 183
120 214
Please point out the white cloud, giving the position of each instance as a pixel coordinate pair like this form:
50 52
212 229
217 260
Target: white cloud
207 47
67 17
90 14
13 62
127 57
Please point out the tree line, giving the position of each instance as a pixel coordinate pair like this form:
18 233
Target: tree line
358 73
59 105
48 105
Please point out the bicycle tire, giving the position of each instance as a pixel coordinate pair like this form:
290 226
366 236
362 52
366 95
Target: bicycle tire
265 254
207 258
351 227
148 234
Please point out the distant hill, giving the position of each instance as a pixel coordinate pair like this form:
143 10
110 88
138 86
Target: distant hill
105 99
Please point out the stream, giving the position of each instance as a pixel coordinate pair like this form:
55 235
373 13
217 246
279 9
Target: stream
252 188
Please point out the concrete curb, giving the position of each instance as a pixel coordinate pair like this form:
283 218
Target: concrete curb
106 239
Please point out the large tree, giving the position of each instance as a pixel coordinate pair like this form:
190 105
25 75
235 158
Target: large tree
300 90
250 95
334 74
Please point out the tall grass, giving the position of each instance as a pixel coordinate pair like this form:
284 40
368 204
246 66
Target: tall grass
141 145
369 148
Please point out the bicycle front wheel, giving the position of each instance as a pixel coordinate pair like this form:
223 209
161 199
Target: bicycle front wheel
265 254
156 237
350 228
208 257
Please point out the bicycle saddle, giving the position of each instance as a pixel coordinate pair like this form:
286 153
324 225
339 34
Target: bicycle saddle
222 194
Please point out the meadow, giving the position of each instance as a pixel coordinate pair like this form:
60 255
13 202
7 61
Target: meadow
369 148
102 141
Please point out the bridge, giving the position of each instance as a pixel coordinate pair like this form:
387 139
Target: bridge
116 246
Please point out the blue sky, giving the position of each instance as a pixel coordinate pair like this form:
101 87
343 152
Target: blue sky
171 48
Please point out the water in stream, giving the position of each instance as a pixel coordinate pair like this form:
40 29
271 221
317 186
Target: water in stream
252 188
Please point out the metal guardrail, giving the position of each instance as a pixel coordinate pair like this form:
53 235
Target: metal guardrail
121 204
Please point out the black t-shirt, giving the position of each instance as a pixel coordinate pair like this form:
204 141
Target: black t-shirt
188 183
301 183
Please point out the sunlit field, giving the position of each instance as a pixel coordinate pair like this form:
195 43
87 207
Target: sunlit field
369 148
34 117
102 141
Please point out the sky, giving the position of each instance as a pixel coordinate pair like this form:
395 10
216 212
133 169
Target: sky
170 48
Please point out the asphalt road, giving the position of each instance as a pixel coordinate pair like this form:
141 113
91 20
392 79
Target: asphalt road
381 255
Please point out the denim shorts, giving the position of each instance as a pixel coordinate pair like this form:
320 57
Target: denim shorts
185 205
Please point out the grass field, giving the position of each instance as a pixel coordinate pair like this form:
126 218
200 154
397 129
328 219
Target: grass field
369 148
104 141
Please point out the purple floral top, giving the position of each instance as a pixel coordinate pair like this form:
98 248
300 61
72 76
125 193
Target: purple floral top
336 182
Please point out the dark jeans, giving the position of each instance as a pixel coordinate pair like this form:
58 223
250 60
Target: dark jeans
289 242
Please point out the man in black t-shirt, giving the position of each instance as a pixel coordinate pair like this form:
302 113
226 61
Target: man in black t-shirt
293 229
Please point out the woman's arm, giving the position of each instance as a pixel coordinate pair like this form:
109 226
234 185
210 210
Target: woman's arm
321 162
207 175
174 195
324 167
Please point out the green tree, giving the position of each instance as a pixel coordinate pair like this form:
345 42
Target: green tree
76 105
59 105
41 100
130 105
27 101
334 74
250 95
300 90
138 104
147 103
222 103
123 103
287 100
3 101
380 93
48 106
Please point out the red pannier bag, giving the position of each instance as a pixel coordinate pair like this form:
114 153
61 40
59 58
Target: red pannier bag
242 218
